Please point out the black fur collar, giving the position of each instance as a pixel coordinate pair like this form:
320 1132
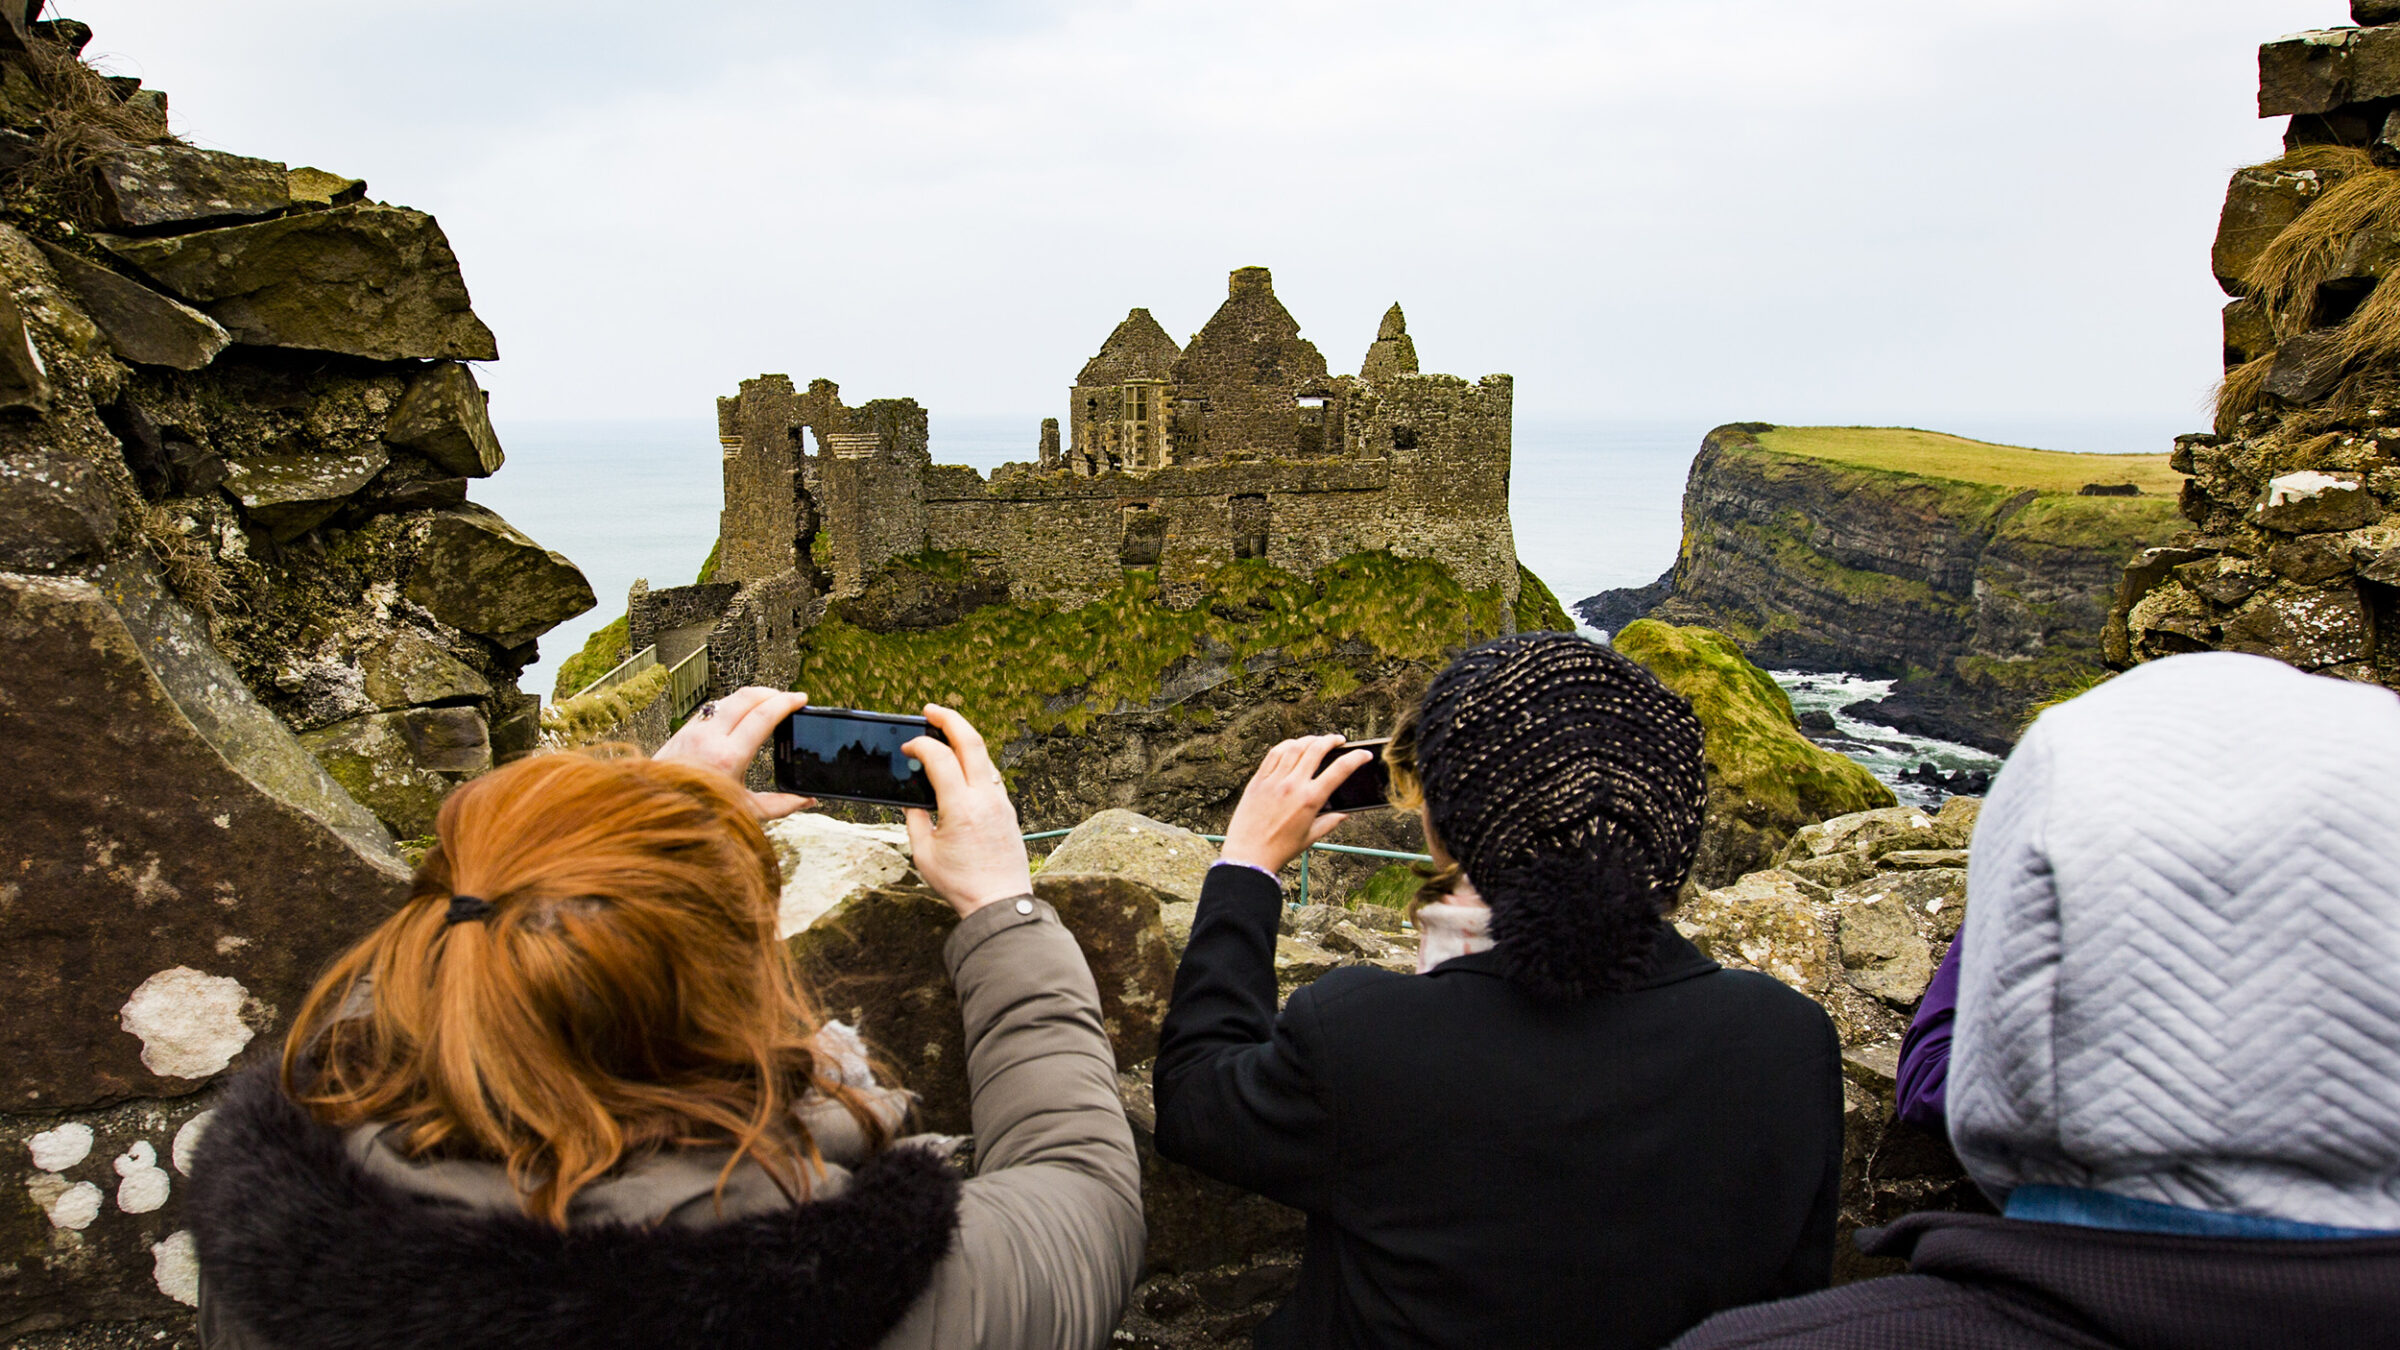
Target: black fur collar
308 1252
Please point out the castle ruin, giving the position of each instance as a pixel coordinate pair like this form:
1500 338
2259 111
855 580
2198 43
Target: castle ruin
1177 459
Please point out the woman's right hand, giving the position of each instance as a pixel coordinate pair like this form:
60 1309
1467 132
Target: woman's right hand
1278 815
974 853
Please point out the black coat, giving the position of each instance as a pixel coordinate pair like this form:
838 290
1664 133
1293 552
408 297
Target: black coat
1480 1169
1976 1282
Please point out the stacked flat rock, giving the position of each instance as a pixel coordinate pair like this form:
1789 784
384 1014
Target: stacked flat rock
2294 496
253 632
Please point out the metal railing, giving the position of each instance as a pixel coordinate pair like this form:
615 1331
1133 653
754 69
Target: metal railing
628 668
1353 850
687 683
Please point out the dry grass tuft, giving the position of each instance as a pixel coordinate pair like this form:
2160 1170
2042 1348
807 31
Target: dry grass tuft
2329 162
83 119
2242 392
589 718
2286 277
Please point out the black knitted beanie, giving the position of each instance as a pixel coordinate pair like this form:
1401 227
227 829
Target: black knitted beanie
1568 782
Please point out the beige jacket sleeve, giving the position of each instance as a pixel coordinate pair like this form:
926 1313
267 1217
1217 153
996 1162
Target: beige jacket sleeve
1050 1228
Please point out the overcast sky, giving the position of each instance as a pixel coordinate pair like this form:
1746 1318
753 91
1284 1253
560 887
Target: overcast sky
1793 210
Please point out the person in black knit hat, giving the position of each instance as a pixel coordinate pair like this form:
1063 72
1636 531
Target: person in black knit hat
1572 1128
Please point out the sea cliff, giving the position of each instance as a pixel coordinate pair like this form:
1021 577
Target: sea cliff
1976 576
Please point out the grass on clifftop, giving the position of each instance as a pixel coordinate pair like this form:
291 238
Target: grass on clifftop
1933 454
601 653
1754 746
1048 668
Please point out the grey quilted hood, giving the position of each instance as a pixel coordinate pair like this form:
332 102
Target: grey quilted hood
2182 974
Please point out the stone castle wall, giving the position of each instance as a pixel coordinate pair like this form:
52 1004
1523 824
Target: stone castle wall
1181 461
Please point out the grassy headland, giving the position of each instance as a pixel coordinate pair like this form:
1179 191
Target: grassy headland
1933 454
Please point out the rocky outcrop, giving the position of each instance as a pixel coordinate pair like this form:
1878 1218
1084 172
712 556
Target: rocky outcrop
1766 780
2294 497
1981 598
1168 859
242 637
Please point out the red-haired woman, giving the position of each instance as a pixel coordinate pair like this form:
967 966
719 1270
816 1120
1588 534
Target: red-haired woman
571 1094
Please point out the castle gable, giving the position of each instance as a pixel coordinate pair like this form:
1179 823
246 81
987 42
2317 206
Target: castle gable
1393 352
1138 350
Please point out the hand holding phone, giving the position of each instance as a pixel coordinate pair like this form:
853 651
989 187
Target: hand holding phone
1283 809
1369 786
854 756
725 735
974 853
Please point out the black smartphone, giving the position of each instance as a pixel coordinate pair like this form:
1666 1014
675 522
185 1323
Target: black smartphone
1366 789
853 756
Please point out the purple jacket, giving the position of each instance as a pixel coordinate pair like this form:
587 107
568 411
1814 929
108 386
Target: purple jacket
1925 1054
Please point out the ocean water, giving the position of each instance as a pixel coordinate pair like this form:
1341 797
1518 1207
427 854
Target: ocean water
1597 505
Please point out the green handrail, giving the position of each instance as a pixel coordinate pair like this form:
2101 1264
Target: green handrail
1304 854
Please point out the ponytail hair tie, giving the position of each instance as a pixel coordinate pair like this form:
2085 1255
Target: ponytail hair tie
467 909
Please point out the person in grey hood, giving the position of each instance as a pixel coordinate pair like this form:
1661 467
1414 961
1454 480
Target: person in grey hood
2176 1064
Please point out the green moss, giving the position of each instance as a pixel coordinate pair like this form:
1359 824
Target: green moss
1933 454
602 652
1538 610
587 717
1754 747
708 569
1394 887
1042 667
2122 525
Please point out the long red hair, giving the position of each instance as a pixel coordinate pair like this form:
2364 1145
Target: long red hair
627 992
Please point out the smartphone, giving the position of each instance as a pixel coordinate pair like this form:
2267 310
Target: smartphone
1368 788
853 756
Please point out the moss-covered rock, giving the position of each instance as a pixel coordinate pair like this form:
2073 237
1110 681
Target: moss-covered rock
1537 608
1766 781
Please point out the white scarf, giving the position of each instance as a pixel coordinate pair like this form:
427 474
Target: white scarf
1449 929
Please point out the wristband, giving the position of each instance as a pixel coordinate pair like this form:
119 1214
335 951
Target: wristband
1229 862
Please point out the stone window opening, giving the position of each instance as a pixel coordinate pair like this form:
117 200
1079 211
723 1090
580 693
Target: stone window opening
1404 438
1309 410
1249 514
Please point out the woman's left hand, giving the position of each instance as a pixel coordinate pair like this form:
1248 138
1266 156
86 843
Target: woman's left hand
1282 811
726 735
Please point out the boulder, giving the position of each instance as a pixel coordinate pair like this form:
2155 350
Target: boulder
1900 827
1766 780
1882 953
400 765
406 669
1907 859
315 187
876 963
2310 559
445 418
287 495
828 862
2319 71
2369 13
159 820
1935 898
167 186
362 280
476 572
1772 922
59 515
2375 549
143 326
2248 334
1123 843
2310 502
2259 203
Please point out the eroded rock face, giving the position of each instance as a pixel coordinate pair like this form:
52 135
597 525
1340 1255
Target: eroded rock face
1125 843
400 765
190 834
876 963
373 281
828 863
292 494
148 187
444 418
477 572
144 326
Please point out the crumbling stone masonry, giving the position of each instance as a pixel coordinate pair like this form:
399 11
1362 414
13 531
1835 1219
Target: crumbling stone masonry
1178 459
2295 547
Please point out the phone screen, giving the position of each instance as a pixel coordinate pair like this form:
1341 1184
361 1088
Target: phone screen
854 756
1367 788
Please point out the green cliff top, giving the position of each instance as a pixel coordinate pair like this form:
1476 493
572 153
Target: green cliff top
1933 454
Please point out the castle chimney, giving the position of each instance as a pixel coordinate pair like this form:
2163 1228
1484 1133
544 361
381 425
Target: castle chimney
1251 281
